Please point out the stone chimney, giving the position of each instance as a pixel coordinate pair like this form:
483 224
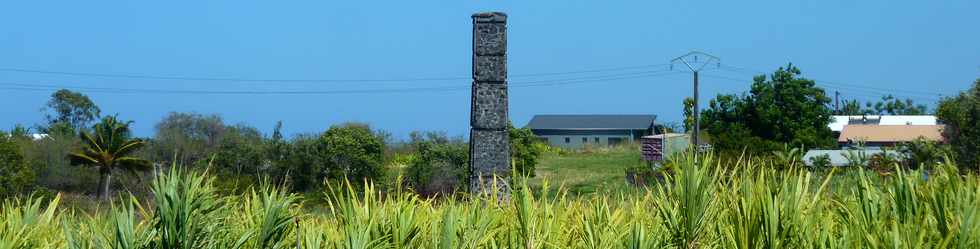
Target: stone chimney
489 142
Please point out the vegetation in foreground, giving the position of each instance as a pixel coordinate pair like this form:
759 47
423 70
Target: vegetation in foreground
700 205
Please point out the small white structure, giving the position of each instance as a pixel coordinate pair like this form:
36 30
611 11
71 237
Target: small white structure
666 145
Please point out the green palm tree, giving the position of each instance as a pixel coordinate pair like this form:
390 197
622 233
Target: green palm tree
109 147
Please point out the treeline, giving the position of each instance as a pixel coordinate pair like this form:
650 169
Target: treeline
430 163
888 105
785 109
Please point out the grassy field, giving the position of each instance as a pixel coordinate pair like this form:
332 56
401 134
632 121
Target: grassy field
582 173
600 170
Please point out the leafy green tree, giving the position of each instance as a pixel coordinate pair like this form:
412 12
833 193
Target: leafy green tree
241 150
525 149
688 114
277 153
305 164
353 150
110 146
961 114
15 171
780 109
190 137
72 109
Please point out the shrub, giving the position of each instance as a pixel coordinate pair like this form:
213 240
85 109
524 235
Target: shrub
440 166
923 153
353 151
50 161
525 149
186 214
15 173
886 160
821 161
305 165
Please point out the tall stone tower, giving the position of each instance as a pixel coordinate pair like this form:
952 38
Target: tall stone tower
489 142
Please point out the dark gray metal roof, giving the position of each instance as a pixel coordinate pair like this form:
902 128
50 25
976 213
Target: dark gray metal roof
591 122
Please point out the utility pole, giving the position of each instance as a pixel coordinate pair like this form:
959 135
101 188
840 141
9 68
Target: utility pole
696 64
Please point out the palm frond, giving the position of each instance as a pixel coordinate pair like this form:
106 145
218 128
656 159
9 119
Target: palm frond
82 159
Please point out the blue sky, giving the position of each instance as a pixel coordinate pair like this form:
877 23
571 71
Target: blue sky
917 49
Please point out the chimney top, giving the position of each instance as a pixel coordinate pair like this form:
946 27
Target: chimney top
490 17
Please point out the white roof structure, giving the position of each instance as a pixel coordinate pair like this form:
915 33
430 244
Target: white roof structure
838 123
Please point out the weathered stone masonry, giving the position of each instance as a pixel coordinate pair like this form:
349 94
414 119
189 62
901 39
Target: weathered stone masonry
489 143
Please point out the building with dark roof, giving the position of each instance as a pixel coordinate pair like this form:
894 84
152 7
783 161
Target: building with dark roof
577 131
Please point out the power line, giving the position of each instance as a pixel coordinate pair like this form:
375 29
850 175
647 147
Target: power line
590 71
723 77
880 92
592 77
879 88
832 83
190 78
552 83
539 83
740 69
193 78
25 87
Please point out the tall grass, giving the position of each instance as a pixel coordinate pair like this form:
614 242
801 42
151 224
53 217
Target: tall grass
27 223
752 205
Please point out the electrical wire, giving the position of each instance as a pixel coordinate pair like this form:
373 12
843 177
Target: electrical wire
193 78
561 81
833 83
538 83
931 98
